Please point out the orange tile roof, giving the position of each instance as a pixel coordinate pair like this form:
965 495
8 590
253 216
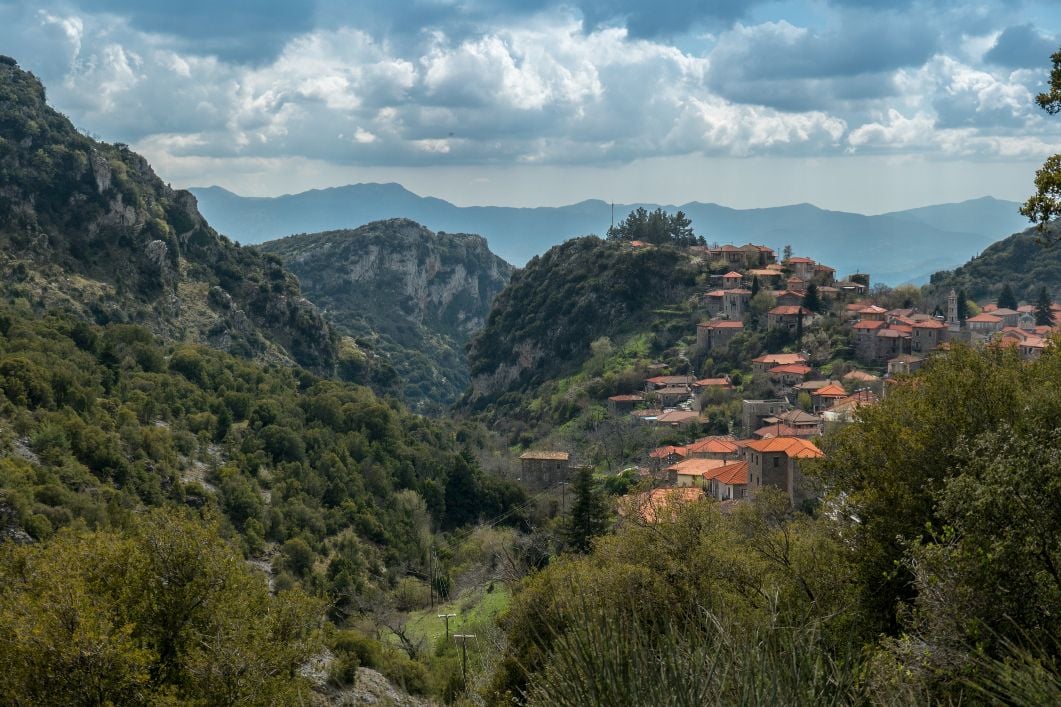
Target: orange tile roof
985 318
635 397
713 445
713 382
872 309
794 447
861 376
732 274
697 467
664 452
789 309
658 504
723 324
930 324
869 324
800 260
831 391
733 474
793 368
780 359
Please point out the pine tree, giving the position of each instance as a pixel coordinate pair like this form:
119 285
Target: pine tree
1043 315
1006 299
589 515
963 306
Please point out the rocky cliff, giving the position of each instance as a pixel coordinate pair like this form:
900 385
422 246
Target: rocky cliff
413 296
88 227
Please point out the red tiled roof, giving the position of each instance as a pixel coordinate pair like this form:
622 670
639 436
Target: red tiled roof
831 391
712 383
780 359
697 467
664 452
793 368
658 504
869 324
635 397
794 447
789 309
985 318
733 474
930 324
713 445
800 260
670 380
723 324
732 274
872 309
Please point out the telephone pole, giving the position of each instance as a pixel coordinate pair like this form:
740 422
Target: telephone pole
464 654
446 617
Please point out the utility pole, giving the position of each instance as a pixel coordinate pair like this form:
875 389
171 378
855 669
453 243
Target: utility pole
464 654
446 617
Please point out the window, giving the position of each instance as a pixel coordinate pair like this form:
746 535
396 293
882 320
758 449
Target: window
777 461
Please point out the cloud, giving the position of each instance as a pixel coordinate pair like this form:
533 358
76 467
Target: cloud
1022 46
471 85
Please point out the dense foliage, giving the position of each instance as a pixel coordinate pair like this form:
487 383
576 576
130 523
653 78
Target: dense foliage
1024 261
413 296
929 574
97 422
656 227
543 323
88 227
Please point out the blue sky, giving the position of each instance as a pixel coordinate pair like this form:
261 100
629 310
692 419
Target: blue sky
849 104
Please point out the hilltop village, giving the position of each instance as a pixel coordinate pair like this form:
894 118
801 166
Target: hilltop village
784 353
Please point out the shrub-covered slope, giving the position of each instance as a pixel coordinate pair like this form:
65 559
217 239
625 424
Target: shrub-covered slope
413 296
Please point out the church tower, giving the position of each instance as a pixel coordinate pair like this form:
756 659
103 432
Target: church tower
952 311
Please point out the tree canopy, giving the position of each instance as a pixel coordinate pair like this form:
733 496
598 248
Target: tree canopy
655 227
1045 204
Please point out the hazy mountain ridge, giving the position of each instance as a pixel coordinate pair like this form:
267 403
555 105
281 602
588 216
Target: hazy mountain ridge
88 227
415 296
895 247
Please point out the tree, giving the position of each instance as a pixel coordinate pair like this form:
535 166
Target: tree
589 515
811 300
1006 299
1045 204
1043 315
963 306
786 254
654 227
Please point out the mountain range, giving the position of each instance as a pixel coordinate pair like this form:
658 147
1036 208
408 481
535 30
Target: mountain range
897 247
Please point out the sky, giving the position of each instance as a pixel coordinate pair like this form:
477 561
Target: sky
859 105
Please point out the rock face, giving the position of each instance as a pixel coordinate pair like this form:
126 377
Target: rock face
88 227
414 296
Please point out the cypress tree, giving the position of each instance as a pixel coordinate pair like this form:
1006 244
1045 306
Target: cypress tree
1006 299
589 515
963 306
1043 315
810 298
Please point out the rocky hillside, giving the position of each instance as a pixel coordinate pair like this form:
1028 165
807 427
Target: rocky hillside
1026 261
413 296
88 227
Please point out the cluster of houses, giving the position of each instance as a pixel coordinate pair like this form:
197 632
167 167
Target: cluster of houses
777 434
901 339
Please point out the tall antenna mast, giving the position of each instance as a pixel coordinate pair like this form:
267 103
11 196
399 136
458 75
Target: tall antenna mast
613 214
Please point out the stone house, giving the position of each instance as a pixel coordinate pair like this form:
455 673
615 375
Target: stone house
776 462
764 363
927 335
825 397
905 363
788 317
729 482
788 298
717 333
544 469
790 374
732 280
753 412
657 382
735 302
803 268
624 404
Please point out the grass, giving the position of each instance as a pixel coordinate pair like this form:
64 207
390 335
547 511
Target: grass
473 609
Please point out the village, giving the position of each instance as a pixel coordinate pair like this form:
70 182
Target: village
791 396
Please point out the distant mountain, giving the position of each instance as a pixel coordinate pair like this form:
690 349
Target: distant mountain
894 248
413 296
1026 261
88 228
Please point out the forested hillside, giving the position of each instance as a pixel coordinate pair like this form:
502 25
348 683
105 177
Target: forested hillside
543 323
334 490
1025 261
88 227
412 296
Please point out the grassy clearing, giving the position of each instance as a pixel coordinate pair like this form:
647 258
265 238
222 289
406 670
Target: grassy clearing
473 609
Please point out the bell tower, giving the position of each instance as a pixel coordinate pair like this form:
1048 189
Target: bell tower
952 311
